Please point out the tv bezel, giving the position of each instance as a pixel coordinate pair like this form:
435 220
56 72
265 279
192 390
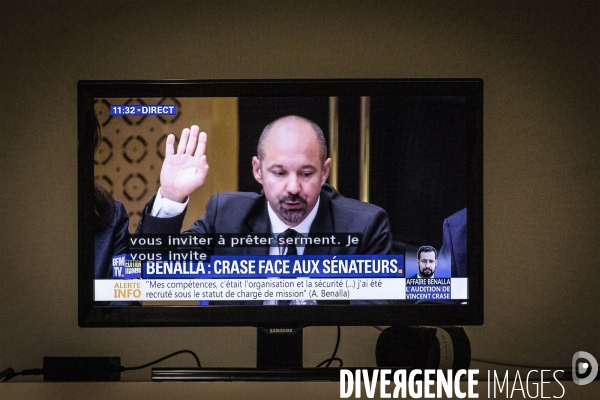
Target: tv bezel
90 314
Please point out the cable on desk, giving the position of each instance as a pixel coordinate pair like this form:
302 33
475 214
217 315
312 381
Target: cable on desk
162 359
333 356
63 368
10 373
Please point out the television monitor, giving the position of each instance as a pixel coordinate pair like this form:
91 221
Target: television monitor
411 148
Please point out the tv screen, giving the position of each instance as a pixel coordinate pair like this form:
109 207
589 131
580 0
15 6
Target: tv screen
280 203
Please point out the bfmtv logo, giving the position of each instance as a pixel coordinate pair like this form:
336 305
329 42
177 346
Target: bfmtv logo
584 372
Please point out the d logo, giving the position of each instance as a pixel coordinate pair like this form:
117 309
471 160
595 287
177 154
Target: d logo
584 372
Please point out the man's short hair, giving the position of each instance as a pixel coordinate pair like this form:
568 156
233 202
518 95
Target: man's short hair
318 131
426 249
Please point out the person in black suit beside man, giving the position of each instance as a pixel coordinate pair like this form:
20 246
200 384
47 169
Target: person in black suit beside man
111 234
111 229
453 253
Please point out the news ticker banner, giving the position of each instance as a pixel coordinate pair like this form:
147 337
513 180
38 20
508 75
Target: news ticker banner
275 289
345 277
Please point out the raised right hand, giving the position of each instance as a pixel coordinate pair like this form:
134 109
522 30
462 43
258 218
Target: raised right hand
184 171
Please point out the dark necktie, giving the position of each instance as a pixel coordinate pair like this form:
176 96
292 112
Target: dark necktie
292 250
291 247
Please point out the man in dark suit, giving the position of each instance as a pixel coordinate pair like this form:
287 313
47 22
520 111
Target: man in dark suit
292 166
111 235
454 247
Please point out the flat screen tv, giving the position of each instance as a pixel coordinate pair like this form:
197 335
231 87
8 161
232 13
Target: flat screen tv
382 179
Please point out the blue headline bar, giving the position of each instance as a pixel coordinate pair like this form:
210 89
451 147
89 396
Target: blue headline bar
344 266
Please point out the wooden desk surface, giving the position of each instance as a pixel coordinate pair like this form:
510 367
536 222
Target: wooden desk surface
239 390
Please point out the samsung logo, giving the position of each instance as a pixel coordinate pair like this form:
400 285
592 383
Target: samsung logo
281 330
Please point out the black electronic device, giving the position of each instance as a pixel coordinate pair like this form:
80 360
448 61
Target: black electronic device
412 147
82 369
